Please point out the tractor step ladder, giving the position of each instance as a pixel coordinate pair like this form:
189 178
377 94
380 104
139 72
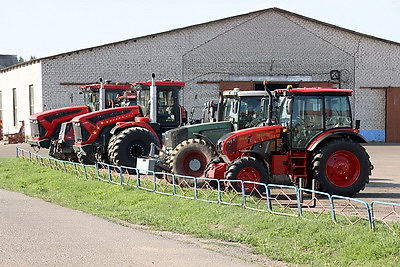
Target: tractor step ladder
298 161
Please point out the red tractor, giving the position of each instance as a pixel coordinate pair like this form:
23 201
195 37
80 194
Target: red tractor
309 136
120 135
46 125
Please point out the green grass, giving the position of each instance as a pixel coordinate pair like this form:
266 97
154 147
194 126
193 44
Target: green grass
294 240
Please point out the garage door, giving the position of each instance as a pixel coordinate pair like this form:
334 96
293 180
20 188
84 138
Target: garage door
392 115
242 85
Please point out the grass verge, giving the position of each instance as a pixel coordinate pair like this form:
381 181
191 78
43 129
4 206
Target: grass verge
293 240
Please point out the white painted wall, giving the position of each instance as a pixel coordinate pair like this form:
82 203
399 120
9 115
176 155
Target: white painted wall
20 78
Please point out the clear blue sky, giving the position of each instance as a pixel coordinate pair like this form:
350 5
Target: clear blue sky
43 28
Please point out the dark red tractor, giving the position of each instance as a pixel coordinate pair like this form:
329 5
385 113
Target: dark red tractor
309 136
46 125
122 134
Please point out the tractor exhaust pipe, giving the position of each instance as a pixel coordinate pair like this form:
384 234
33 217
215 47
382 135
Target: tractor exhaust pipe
102 96
153 99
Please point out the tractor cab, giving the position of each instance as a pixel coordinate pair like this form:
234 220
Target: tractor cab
168 112
244 109
98 96
307 113
107 95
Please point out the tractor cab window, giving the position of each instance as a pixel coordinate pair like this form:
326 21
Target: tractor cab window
114 98
284 110
166 109
143 99
228 110
250 113
337 112
91 99
307 119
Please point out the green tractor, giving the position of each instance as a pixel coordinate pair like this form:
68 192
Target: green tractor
188 149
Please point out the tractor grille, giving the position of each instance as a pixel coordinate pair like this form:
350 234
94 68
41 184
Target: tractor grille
81 134
37 130
176 136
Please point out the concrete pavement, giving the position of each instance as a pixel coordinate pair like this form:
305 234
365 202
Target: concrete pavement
34 232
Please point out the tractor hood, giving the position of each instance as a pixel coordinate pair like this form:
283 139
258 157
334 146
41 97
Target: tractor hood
213 130
46 124
88 126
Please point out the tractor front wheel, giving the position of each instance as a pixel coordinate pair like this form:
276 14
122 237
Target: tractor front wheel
341 167
190 158
130 144
247 169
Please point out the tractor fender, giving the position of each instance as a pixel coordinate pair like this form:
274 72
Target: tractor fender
123 125
120 126
205 138
265 158
349 133
254 153
258 155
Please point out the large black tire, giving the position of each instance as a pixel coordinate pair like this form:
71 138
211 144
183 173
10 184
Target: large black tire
248 169
130 144
110 148
190 158
341 167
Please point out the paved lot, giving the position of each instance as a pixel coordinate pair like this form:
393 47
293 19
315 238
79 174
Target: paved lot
384 183
38 233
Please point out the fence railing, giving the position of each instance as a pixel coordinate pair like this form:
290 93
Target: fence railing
272 198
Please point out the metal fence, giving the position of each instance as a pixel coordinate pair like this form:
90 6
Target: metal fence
272 198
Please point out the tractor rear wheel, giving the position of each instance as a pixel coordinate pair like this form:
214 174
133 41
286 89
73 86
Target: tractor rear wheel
341 167
130 144
190 158
247 169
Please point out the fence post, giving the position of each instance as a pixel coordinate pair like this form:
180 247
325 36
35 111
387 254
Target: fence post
121 176
173 184
269 203
299 195
85 172
97 170
196 194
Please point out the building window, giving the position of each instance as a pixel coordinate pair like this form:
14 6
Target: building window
31 100
14 90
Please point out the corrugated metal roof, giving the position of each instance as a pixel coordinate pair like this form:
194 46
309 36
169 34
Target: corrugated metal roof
8 60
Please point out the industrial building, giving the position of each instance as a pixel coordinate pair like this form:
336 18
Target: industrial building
241 51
